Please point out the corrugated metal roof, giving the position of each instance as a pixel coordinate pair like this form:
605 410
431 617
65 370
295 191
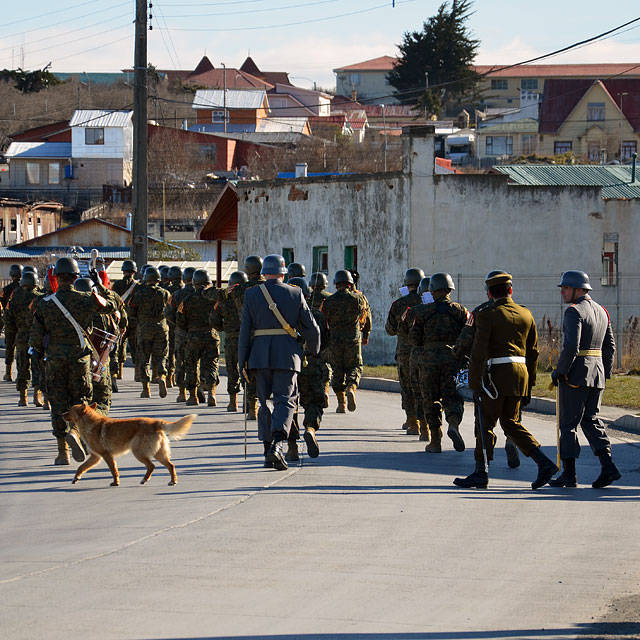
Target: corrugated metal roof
614 180
526 125
282 124
39 150
235 99
100 118
111 253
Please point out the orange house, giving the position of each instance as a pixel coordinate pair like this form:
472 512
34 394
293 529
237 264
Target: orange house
231 110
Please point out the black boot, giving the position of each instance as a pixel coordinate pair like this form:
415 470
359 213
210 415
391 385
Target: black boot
546 468
267 463
479 479
609 471
276 455
292 455
568 476
513 457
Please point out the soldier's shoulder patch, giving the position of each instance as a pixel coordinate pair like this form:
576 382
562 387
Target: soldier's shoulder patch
405 314
471 319
101 301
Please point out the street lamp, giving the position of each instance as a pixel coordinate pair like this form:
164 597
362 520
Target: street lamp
621 96
384 127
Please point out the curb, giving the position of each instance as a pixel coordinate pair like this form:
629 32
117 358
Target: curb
545 406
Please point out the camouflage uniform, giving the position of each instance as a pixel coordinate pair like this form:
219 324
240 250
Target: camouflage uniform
436 327
152 338
170 313
121 287
171 362
224 317
345 312
68 363
396 327
9 334
202 344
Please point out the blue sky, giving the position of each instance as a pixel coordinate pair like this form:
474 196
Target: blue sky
307 39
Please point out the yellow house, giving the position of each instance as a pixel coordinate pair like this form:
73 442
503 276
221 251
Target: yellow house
596 120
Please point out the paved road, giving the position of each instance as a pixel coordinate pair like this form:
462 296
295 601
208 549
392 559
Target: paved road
369 541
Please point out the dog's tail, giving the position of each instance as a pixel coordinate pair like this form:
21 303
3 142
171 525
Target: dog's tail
179 429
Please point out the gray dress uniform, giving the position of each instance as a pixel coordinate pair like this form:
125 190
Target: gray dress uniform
265 348
585 363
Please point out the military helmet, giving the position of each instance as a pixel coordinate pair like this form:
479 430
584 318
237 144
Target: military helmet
412 277
576 280
129 265
300 282
144 268
151 275
66 265
319 280
273 264
187 274
237 277
200 277
424 285
15 270
29 267
174 274
164 272
441 281
342 276
29 279
83 284
296 270
498 277
252 265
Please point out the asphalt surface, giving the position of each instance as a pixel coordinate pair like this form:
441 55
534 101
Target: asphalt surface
369 541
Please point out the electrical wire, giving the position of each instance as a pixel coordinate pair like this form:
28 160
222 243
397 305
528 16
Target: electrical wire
166 28
235 13
101 46
42 15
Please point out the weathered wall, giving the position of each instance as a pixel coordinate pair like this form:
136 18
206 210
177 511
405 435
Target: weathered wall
370 212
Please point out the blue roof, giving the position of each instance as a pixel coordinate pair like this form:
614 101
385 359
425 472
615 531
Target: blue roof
111 253
39 150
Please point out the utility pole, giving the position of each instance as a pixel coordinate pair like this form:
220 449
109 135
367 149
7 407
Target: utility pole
384 126
224 95
139 229
624 93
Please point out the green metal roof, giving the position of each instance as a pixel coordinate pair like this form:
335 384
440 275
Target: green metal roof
614 180
526 125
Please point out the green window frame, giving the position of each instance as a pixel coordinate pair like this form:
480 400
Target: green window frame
321 259
351 257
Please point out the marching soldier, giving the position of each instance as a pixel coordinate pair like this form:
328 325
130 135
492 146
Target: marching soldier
202 342
318 283
125 288
170 313
585 363
346 314
394 327
147 308
175 278
15 273
502 372
436 326
165 280
252 267
225 318
296 270
58 330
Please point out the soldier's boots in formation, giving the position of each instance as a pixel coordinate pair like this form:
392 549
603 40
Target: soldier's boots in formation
75 444
292 455
170 381
200 392
342 406
63 452
211 397
8 376
546 468
609 471
435 445
513 457
276 455
312 442
568 477
22 402
425 433
325 403
267 463
45 403
37 397
413 427
162 386
233 402
120 369
351 397
454 433
114 384
479 479
193 399
182 396
252 410
146 390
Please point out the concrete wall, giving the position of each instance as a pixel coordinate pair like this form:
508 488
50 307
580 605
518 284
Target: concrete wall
370 212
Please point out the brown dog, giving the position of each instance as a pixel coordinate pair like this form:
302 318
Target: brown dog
109 438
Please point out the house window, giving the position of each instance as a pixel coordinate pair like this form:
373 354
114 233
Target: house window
609 260
54 173
629 147
321 259
94 135
219 116
529 143
288 255
33 173
562 146
354 79
278 103
14 224
594 151
209 152
595 111
529 84
499 145
351 257
499 84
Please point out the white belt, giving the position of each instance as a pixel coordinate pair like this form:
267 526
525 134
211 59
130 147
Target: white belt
507 360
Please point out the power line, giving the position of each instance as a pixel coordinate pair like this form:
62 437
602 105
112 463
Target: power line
101 46
42 15
233 13
159 10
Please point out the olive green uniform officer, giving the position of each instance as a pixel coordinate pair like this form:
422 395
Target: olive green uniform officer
175 284
15 272
502 372
318 283
125 288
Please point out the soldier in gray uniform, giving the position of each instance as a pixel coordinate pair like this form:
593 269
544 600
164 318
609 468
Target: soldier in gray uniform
269 349
584 364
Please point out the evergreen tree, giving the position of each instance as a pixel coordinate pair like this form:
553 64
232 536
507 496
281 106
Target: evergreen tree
445 50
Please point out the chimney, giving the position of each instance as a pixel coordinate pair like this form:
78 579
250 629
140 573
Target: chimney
301 169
